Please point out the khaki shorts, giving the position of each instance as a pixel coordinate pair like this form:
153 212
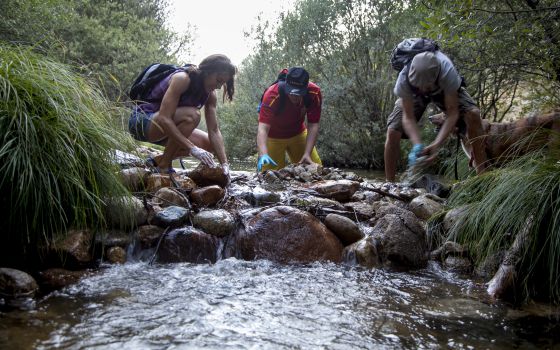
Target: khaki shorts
394 121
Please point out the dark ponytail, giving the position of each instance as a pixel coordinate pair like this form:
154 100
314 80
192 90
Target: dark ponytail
219 64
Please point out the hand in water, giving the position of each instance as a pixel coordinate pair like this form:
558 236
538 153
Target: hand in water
265 159
225 169
202 155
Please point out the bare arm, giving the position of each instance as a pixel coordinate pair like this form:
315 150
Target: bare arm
409 121
452 111
262 137
312 133
178 85
214 133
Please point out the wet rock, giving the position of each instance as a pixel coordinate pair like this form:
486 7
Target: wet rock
204 176
449 248
54 279
366 196
452 217
219 223
315 202
207 196
345 229
285 235
432 185
458 264
74 250
171 217
341 190
113 238
126 212
363 253
16 284
148 235
167 196
490 265
127 160
260 196
362 210
401 237
188 244
155 182
133 178
116 255
426 205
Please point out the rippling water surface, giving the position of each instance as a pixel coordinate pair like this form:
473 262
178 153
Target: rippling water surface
261 305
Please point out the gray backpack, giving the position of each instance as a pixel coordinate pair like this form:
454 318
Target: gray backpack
405 51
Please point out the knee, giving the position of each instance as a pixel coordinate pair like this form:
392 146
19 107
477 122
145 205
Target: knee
188 115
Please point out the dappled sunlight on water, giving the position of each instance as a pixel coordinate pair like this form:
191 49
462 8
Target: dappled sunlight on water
239 304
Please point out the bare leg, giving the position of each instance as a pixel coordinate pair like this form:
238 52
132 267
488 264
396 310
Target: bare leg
186 119
392 153
476 139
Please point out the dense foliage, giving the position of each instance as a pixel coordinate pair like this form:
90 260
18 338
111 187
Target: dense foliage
55 155
108 40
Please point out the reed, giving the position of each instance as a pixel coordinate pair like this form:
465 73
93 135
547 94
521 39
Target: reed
55 155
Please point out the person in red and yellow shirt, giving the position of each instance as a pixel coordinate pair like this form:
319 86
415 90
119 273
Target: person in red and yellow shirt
282 128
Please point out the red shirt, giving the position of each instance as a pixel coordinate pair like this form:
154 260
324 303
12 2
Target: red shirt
290 121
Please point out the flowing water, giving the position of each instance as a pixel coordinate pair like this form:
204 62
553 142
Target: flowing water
261 305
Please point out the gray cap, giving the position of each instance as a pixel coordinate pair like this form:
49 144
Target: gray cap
424 70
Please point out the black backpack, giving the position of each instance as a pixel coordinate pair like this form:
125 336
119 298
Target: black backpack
149 77
405 51
281 79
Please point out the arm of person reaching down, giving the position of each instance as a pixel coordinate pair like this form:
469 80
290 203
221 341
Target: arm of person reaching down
312 134
452 111
214 133
262 137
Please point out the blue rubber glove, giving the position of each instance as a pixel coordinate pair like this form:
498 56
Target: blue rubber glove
415 153
264 159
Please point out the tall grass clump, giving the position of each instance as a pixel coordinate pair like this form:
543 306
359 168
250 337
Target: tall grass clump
500 204
55 153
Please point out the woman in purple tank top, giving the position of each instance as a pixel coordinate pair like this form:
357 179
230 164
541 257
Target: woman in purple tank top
172 121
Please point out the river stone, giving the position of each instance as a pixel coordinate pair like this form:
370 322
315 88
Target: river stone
167 196
204 175
316 202
154 182
148 235
116 255
53 279
341 190
15 284
74 250
362 210
188 244
452 217
207 196
260 196
459 264
286 235
133 178
219 222
345 229
366 196
126 212
401 237
425 206
171 217
363 253
113 238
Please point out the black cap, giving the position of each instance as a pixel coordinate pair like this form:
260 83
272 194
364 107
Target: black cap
297 81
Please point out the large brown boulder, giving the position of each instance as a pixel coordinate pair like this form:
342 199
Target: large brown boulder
188 244
204 176
340 190
284 234
401 237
